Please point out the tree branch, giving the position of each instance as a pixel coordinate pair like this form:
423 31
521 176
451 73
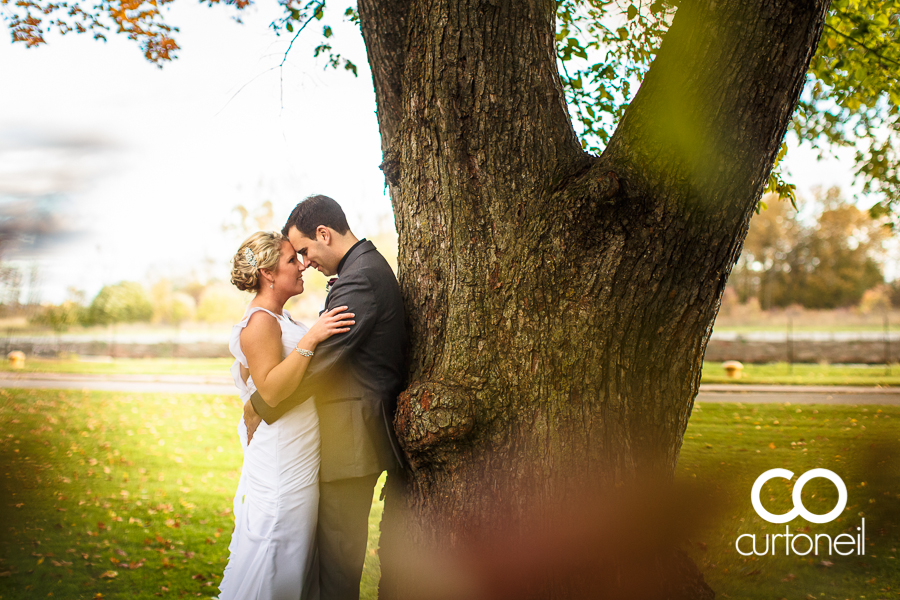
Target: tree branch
853 39
703 132
299 31
588 189
291 45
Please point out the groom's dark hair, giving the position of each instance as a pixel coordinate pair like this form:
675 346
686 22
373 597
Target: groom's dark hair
314 211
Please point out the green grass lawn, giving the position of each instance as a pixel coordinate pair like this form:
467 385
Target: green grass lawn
112 495
780 326
207 367
730 445
806 374
774 373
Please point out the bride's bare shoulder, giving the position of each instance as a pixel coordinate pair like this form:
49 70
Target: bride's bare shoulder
261 327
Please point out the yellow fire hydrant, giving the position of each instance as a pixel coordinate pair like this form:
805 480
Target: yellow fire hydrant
16 359
733 369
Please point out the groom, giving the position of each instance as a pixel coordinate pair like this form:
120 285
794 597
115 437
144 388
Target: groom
355 378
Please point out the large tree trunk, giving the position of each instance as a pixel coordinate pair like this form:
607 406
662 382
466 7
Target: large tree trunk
559 303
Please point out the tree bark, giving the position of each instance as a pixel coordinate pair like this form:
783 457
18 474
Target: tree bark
559 303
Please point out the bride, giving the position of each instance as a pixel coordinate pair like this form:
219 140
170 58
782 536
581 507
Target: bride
277 499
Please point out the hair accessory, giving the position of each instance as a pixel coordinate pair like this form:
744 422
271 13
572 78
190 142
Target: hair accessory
251 258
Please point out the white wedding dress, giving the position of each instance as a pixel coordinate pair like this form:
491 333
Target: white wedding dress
277 500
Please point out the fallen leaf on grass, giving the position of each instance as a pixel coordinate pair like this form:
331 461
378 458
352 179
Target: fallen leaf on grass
109 575
772 445
790 577
198 577
826 563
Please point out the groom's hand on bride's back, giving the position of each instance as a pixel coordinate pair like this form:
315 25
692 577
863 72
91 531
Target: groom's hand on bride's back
251 420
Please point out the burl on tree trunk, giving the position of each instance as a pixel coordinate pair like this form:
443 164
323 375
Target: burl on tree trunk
560 303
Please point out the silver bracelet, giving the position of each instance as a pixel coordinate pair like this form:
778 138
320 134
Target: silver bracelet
304 351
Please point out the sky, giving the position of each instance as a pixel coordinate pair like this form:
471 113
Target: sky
133 170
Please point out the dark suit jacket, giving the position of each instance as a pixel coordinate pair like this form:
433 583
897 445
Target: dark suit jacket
356 376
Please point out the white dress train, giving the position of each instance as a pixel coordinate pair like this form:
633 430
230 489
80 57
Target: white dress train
277 500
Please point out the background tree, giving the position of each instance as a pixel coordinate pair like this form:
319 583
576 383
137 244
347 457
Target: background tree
124 302
894 293
243 221
773 235
172 306
876 300
559 302
10 288
221 303
834 261
59 317
828 263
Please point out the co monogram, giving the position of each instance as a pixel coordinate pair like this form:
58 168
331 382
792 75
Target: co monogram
799 509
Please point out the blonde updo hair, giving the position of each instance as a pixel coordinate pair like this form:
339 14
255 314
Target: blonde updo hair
266 247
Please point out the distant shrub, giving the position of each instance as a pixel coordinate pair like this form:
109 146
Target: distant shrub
60 317
876 299
124 302
170 306
221 303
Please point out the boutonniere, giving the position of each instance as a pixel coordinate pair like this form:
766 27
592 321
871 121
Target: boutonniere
330 284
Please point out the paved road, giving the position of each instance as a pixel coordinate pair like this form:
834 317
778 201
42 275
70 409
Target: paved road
174 384
798 394
185 384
